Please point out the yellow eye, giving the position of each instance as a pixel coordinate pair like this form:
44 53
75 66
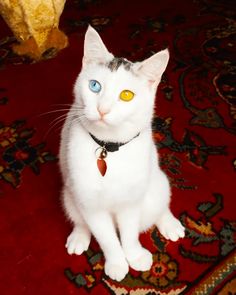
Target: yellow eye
126 95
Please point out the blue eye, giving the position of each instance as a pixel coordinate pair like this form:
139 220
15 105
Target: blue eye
95 86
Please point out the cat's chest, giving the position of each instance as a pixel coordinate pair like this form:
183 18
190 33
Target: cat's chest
127 171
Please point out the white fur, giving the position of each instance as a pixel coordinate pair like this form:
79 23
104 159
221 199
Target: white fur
134 194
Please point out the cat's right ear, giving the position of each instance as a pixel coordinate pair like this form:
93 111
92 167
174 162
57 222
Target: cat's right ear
94 49
154 66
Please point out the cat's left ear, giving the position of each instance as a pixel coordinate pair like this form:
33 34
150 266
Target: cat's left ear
94 49
154 66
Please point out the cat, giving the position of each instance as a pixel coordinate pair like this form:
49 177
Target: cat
108 160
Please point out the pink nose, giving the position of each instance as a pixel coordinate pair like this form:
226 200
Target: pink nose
102 113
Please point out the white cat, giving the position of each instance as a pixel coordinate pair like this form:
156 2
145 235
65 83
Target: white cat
110 119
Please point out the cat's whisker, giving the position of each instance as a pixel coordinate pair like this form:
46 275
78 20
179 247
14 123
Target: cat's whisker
79 118
58 119
56 122
77 105
73 108
65 108
76 120
52 112
61 104
52 127
61 119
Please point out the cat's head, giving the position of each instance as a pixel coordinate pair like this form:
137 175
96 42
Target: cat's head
115 96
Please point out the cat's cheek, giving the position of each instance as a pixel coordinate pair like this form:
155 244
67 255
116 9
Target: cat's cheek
91 115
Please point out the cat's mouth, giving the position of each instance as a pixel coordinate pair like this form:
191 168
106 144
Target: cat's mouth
100 119
101 122
96 121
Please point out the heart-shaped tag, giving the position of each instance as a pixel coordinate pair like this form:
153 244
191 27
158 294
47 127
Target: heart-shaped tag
102 166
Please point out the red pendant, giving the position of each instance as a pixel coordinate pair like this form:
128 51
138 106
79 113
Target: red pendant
102 166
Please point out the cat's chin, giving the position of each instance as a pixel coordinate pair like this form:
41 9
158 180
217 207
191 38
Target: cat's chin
99 125
103 123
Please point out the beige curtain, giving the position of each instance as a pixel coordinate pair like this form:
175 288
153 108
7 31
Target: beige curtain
35 25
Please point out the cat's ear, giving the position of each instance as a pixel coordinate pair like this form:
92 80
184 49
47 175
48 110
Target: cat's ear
154 66
94 48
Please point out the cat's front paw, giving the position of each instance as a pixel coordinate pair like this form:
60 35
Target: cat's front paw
77 242
142 261
171 228
116 271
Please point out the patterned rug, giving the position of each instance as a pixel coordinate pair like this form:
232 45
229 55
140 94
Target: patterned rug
194 128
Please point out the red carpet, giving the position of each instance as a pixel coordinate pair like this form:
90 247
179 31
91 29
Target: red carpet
194 128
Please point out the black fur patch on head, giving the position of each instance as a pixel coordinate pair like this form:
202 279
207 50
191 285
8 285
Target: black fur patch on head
116 62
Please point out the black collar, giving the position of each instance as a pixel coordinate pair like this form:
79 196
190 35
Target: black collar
110 146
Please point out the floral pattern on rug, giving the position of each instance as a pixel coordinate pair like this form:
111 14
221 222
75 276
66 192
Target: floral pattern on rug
16 151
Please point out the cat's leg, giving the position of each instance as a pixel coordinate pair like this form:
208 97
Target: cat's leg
156 208
128 221
102 227
79 239
169 226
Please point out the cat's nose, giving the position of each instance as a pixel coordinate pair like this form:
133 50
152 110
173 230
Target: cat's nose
102 113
